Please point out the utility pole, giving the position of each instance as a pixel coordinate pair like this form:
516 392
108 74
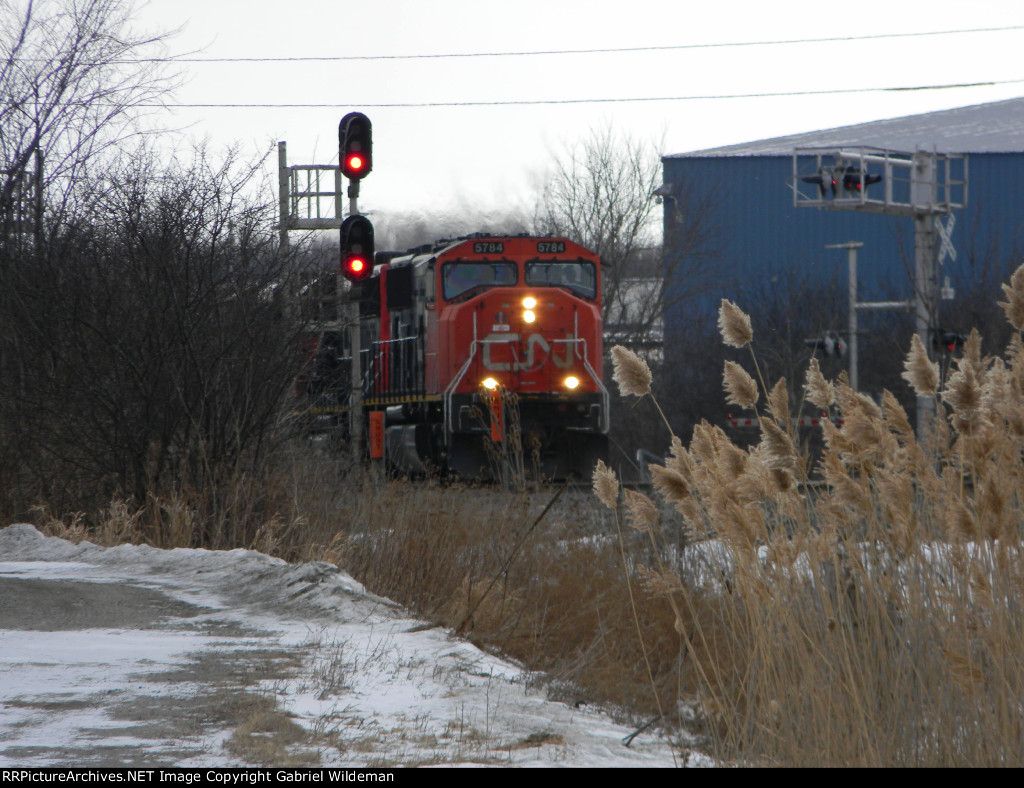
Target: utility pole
283 194
926 282
854 306
851 248
355 424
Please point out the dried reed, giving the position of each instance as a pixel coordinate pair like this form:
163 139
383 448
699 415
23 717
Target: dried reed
871 618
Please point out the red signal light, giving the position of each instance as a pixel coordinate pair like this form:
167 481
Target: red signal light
357 248
950 340
355 138
355 163
856 181
355 266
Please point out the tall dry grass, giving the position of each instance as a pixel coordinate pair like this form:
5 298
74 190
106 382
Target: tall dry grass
866 611
542 585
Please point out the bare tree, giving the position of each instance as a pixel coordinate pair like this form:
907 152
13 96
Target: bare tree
605 194
144 348
601 195
74 78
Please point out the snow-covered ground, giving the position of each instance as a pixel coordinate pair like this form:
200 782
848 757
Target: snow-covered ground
134 656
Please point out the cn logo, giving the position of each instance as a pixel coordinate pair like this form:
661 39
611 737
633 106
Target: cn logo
537 352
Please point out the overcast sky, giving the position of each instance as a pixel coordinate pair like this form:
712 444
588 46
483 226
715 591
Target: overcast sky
486 154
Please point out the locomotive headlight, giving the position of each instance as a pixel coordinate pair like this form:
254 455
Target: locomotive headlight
529 304
572 382
490 384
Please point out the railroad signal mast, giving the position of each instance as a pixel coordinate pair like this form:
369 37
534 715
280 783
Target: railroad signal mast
355 159
925 186
310 198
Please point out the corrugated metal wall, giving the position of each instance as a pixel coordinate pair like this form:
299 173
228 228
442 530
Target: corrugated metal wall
765 239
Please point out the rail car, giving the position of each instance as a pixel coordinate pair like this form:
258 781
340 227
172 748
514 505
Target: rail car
483 342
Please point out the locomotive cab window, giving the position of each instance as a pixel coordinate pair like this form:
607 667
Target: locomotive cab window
460 278
577 276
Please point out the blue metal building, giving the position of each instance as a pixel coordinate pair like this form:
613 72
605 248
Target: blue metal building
763 240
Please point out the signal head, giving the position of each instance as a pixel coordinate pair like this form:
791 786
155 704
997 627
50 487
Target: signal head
355 142
950 341
356 248
855 180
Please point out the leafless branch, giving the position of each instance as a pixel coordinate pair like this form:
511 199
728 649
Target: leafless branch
71 84
603 195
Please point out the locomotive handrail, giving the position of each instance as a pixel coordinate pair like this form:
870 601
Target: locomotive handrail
449 390
390 366
364 368
605 397
372 373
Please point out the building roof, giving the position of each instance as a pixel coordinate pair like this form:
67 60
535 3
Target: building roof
997 127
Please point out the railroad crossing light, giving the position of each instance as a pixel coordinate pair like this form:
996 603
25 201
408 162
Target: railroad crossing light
824 179
355 139
356 248
854 180
948 341
830 345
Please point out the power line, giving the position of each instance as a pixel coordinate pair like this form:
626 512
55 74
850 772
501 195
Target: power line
604 50
619 100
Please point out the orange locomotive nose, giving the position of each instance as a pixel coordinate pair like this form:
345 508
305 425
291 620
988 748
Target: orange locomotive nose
484 327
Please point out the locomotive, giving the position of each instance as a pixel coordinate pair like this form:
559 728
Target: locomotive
480 342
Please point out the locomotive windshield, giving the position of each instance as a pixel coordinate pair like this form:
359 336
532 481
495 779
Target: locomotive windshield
459 278
578 276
